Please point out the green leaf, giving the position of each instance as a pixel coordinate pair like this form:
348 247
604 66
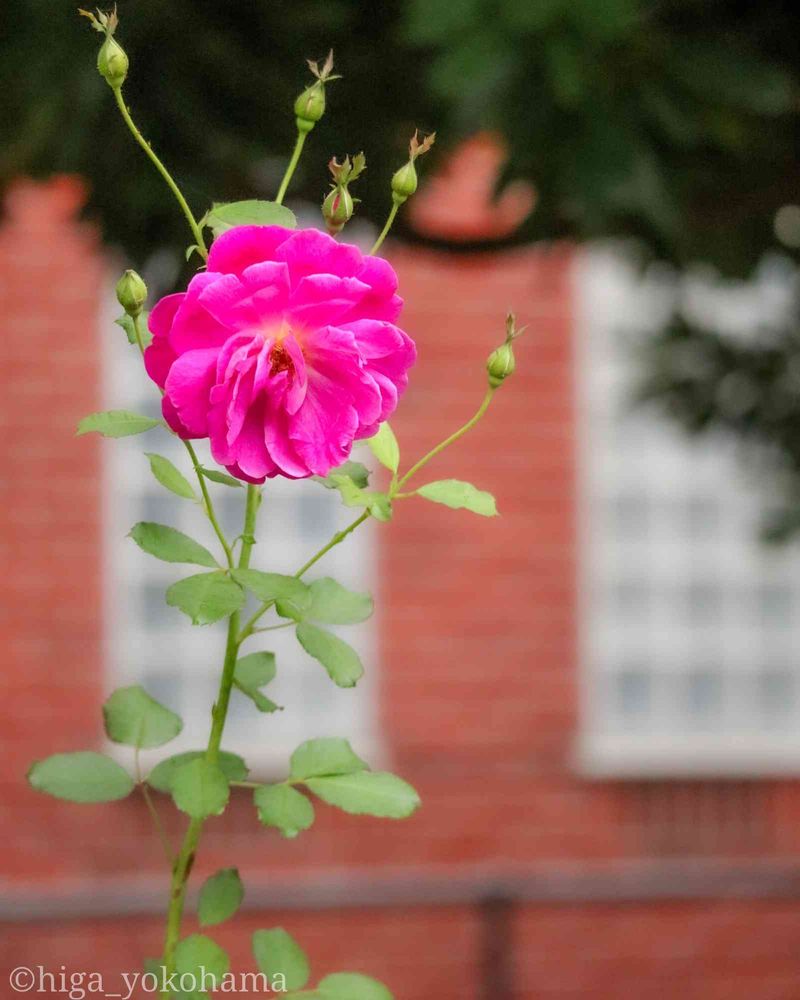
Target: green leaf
283 807
333 604
371 793
200 789
116 423
355 472
385 447
253 672
378 504
169 544
277 953
135 719
339 659
202 959
221 477
163 774
220 897
457 494
170 477
81 777
326 756
291 595
351 986
206 597
224 216
255 669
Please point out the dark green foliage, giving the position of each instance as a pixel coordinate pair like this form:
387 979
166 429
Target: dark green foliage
676 122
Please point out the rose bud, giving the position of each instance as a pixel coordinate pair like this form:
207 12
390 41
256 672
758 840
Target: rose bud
337 209
404 180
310 105
131 293
501 362
112 61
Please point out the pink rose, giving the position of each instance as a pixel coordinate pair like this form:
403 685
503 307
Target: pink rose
283 352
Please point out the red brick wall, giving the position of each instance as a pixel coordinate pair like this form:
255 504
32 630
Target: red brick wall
478 691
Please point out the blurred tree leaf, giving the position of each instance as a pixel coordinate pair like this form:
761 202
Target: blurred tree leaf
674 122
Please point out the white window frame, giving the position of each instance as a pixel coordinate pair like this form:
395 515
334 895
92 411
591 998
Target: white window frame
610 298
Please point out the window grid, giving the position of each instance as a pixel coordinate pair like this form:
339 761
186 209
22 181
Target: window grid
151 644
690 628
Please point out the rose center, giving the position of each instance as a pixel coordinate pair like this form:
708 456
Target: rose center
280 361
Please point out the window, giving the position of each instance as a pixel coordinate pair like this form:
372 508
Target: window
154 645
689 626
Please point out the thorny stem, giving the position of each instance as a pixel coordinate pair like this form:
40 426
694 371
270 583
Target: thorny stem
140 139
183 866
292 166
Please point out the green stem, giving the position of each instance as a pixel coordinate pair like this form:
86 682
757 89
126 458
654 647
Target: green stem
211 514
337 539
207 503
447 441
290 169
186 856
140 139
385 231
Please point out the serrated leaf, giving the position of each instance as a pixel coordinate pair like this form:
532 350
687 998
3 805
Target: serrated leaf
81 777
339 659
170 477
253 672
116 423
371 793
385 448
206 597
201 959
222 477
351 986
163 774
170 545
325 756
277 953
356 472
132 717
220 897
333 604
224 216
457 494
291 595
283 807
200 789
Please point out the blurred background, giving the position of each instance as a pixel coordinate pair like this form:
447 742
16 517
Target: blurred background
597 694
